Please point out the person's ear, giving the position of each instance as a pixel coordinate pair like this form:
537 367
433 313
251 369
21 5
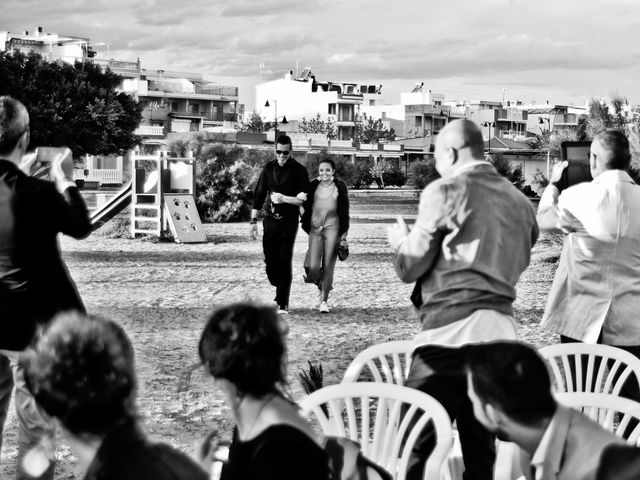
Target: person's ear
454 155
23 143
493 415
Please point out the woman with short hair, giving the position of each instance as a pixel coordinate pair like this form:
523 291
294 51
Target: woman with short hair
81 372
243 348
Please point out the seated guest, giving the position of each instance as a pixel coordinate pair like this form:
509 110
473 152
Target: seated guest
81 372
243 348
509 386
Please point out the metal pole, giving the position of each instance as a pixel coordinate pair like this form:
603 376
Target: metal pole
275 128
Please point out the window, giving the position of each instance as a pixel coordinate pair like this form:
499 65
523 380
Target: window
174 106
332 109
419 122
372 102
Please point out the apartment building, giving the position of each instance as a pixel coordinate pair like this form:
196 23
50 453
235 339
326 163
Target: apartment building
552 117
298 96
178 101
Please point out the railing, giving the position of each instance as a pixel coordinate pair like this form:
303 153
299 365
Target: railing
212 116
341 143
103 175
149 130
174 87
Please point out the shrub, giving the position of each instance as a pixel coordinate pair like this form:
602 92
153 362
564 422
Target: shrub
394 177
363 177
424 172
225 194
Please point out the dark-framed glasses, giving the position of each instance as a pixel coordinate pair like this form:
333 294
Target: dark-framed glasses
283 152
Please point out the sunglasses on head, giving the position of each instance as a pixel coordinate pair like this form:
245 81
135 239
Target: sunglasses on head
283 152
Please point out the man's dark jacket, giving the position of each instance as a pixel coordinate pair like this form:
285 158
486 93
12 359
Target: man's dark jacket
34 282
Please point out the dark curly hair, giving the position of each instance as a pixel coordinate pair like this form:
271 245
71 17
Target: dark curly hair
81 371
244 343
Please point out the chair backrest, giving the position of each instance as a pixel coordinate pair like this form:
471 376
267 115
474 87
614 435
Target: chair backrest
584 367
385 420
387 362
617 414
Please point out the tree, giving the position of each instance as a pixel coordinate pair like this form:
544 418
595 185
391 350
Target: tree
74 105
374 131
317 125
424 172
253 124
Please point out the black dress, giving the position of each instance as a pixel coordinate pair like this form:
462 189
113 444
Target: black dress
280 452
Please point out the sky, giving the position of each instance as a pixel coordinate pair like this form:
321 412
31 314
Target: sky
561 51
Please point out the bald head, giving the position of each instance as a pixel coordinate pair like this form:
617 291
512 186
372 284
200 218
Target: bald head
459 142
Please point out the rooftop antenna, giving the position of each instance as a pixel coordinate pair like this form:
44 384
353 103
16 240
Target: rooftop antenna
297 68
503 92
261 66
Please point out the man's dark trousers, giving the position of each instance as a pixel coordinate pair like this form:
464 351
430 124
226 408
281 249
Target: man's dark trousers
440 372
277 242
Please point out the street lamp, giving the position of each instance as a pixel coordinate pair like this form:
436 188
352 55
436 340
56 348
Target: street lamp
275 118
489 124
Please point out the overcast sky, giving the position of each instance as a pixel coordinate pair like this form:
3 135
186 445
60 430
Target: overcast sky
563 51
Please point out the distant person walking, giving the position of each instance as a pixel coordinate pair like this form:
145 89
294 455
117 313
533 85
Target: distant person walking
282 184
470 243
34 282
326 220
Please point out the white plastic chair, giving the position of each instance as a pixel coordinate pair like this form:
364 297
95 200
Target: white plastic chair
574 367
385 420
603 408
387 362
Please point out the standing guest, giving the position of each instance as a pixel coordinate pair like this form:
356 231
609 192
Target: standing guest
81 372
470 243
326 220
243 348
595 295
282 183
34 281
510 389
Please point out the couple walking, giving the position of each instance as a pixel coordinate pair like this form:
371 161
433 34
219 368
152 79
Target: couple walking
324 205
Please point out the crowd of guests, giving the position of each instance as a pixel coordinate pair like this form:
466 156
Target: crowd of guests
471 241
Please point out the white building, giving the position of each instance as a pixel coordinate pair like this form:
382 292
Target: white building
304 96
50 45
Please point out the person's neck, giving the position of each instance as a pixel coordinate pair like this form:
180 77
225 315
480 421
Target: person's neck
326 183
14 157
528 437
85 448
248 413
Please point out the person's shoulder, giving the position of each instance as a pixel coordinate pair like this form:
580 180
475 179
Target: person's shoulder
159 461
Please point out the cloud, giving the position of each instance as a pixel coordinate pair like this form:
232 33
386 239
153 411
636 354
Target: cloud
280 8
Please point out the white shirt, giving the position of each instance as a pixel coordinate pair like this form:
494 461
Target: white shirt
597 285
537 461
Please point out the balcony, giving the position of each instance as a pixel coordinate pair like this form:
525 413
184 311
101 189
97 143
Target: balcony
210 116
174 87
149 131
341 143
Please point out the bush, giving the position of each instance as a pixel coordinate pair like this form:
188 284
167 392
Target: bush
424 172
394 177
226 194
363 177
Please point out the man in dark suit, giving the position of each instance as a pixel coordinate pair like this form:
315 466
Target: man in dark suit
34 281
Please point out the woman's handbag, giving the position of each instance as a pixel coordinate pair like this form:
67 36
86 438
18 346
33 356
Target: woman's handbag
343 250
